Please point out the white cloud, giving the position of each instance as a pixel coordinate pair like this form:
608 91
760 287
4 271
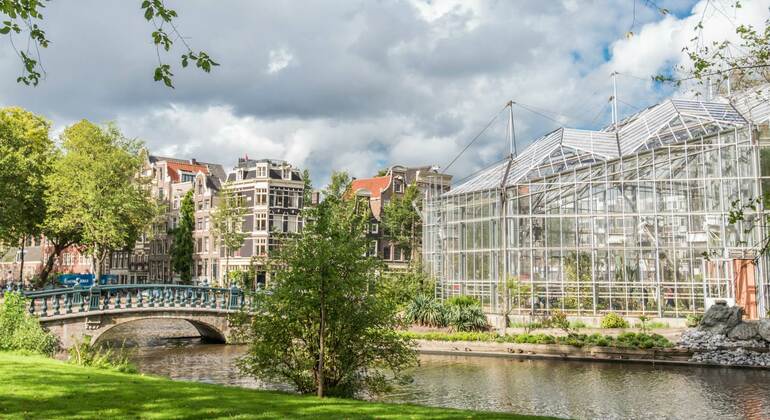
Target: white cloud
279 59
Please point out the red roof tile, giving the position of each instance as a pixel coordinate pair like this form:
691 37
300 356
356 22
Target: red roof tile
374 186
175 167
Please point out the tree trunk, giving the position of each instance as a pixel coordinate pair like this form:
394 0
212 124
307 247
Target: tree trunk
21 266
227 268
321 345
48 267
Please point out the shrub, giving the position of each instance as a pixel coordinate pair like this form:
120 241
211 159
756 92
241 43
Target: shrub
466 318
20 331
427 311
613 320
462 300
693 320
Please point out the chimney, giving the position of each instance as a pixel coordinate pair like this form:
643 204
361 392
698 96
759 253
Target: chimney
193 161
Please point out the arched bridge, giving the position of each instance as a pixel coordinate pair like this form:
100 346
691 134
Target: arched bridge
74 313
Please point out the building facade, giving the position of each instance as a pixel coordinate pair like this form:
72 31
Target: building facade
272 193
380 190
633 219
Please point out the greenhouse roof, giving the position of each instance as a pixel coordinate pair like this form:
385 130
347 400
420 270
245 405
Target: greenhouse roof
567 148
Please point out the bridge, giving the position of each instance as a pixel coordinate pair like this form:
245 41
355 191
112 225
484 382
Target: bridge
73 313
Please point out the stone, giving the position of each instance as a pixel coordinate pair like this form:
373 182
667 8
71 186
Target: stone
763 328
721 318
743 331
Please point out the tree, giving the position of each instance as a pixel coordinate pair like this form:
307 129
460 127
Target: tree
100 190
26 155
401 221
324 325
182 248
307 188
24 16
743 65
227 219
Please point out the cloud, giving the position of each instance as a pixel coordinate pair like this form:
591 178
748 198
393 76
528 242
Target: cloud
359 85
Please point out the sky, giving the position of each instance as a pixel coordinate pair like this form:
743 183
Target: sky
362 85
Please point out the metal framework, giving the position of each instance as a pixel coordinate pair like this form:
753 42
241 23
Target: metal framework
631 219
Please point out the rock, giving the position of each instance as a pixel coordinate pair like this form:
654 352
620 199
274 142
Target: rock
763 328
721 318
743 331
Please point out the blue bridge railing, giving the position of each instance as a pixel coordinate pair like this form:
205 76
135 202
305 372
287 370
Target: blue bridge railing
57 302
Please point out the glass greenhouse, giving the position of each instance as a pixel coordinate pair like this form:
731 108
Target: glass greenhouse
633 219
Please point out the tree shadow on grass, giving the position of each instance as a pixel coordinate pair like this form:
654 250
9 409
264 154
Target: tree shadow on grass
42 388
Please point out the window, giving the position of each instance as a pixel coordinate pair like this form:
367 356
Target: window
398 186
260 221
187 177
176 200
374 228
261 196
373 248
261 171
206 244
260 246
205 223
160 193
199 224
386 253
285 223
200 205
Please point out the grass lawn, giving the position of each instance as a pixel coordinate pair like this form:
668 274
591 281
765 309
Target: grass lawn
38 387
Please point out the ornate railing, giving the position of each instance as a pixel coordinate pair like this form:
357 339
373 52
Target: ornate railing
58 302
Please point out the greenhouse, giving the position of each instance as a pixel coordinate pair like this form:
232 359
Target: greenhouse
634 219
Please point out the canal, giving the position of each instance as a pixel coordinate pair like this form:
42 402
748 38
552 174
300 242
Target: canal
556 388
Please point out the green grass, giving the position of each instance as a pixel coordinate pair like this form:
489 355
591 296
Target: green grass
33 387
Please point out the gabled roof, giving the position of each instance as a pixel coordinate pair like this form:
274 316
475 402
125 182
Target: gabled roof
371 187
669 122
174 169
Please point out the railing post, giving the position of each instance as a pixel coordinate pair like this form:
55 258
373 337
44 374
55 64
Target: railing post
117 299
106 300
56 304
68 302
32 305
128 298
93 298
139 298
44 309
234 292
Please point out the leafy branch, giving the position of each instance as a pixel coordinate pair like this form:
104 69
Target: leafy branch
23 17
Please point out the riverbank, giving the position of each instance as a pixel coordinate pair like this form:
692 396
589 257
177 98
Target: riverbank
39 387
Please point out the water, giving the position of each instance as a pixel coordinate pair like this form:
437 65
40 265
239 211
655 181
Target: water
556 388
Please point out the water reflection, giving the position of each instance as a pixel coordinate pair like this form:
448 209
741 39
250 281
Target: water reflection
564 389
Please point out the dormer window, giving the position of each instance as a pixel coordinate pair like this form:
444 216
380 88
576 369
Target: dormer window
261 171
398 186
286 173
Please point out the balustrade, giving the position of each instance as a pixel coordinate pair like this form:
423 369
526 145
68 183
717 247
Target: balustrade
49 303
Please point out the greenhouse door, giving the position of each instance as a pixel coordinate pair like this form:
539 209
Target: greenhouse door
746 286
718 281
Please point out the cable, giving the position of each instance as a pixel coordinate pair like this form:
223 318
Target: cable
446 168
480 170
539 113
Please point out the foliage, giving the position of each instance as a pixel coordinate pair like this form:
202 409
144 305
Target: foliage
183 245
25 16
26 154
466 318
404 285
401 221
624 340
693 320
324 324
20 331
227 219
613 320
462 300
83 353
307 188
427 311
577 271
98 190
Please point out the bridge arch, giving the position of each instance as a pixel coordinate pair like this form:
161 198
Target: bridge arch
207 330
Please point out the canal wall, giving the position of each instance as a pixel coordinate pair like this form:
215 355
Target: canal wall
556 351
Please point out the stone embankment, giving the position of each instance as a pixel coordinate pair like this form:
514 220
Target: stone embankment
724 338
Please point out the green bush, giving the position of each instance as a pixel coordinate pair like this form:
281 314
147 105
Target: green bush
462 300
20 331
624 340
427 311
466 318
694 320
613 320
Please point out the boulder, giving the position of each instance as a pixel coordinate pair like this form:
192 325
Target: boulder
763 328
743 331
721 318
